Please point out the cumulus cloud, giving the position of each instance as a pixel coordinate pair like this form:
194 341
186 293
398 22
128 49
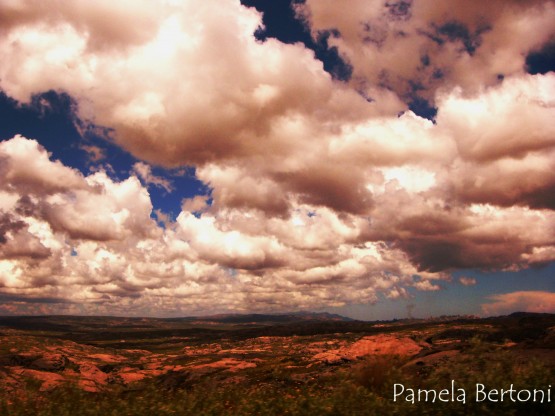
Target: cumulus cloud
316 195
416 48
198 203
23 163
17 242
220 94
523 301
92 243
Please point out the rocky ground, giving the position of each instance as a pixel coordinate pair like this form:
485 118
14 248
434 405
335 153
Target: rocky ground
48 360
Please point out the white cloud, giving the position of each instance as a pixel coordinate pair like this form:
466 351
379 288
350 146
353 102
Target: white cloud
92 243
317 197
523 301
416 48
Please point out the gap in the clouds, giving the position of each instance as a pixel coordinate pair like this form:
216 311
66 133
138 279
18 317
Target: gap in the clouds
185 185
541 61
423 108
455 31
50 120
495 282
281 23
455 298
47 119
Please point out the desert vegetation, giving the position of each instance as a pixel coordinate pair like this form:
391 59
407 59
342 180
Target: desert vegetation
262 366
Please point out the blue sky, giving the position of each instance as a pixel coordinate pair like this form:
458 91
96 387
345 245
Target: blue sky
178 159
457 299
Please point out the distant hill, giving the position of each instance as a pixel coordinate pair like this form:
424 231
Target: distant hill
112 329
269 318
75 325
109 329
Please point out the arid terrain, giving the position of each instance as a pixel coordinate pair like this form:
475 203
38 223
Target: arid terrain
226 364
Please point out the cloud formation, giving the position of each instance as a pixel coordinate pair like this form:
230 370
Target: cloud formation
91 242
417 48
524 301
318 197
197 85
467 281
144 171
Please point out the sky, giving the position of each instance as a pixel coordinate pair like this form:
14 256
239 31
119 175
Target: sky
377 159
